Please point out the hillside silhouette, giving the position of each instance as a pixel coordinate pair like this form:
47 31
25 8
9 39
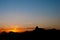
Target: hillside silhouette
37 34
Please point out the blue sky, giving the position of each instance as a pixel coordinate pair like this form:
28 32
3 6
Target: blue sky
28 13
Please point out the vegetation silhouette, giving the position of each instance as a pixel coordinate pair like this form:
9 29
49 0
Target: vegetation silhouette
37 34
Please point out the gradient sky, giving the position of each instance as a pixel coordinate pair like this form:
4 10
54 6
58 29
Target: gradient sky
29 13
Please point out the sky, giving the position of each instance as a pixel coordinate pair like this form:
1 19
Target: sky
30 13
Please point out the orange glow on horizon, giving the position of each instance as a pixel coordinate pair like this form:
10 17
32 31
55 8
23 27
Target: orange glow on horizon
13 30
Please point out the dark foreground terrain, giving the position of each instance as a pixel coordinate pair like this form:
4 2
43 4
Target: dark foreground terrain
36 34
